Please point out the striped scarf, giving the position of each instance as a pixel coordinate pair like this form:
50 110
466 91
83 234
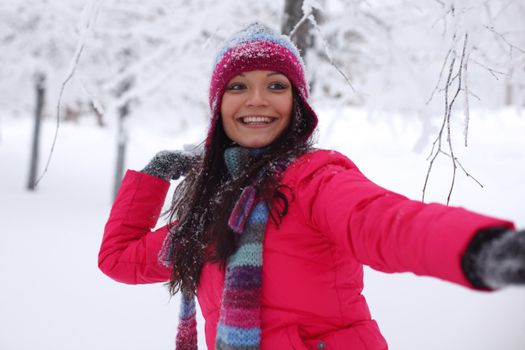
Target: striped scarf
239 321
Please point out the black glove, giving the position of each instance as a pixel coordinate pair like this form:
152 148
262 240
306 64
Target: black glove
170 165
495 258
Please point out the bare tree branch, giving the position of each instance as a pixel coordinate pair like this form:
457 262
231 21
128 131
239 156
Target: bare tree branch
449 113
511 46
463 168
298 24
454 73
311 18
91 9
466 105
440 75
492 71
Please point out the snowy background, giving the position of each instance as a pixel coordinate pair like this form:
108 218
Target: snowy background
53 296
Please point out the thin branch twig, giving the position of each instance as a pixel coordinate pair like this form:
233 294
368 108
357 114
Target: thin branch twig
449 135
467 174
492 71
299 23
512 46
59 103
449 105
92 7
466 101
440 75
329 56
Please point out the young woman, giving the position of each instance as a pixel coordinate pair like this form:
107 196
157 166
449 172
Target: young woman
271 235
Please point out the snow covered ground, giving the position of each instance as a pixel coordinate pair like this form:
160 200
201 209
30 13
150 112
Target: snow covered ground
53 297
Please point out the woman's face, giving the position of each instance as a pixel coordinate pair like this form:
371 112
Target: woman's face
256 108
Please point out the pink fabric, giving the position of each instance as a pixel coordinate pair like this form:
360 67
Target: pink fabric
129 251
313 263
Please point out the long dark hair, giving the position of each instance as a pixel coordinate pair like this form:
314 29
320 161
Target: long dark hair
203 201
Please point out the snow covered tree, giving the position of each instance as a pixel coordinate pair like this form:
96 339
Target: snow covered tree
37 39
296 24
35 148
381 55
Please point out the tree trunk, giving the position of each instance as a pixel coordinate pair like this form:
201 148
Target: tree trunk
122 139
509 89
302 38
40 100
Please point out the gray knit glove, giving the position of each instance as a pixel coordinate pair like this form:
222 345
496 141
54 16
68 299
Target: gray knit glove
495 258
170 165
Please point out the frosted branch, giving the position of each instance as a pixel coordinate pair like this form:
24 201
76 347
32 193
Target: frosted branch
307 7
329 55
440 76
301 21
511 46
466 102
467 174
492 71
454 73
88 18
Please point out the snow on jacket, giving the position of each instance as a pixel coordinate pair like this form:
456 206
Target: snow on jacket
337 221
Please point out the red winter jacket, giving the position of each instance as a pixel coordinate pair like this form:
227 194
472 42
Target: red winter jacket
337 222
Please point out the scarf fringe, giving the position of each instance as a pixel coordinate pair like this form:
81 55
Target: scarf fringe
237 328
166 256
187 328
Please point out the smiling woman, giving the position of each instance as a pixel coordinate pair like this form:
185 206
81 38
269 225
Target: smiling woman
271 235
256 108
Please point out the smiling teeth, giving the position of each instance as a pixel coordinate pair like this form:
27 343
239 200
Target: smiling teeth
256 120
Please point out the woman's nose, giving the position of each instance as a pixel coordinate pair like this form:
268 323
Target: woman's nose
256 97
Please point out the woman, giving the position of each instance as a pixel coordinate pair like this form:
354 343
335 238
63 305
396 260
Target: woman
271 235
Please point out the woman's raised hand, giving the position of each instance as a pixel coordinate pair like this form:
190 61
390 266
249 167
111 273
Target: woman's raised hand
170 165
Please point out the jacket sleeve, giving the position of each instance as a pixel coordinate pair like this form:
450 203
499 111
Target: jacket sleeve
129 249
385 230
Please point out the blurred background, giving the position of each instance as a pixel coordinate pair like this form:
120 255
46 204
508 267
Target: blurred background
90 88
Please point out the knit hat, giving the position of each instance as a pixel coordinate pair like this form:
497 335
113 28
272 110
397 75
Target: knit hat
257 48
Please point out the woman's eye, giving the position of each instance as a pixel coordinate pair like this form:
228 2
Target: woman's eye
278 86
236 86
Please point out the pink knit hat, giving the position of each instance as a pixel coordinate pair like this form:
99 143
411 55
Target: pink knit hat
257 48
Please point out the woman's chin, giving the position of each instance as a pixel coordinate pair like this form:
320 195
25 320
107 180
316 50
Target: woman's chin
255 143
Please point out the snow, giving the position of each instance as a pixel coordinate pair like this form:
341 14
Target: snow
54 297
421 312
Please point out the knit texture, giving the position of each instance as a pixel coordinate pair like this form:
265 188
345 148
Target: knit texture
187 330
256 48
494 258
170 165
239 321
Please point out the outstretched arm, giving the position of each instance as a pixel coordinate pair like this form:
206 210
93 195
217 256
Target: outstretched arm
385 230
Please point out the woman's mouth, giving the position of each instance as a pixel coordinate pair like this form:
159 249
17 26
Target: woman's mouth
256 120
